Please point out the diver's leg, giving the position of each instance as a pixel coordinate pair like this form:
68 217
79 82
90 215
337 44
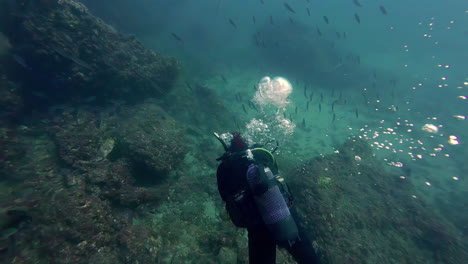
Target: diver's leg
302 250
262 248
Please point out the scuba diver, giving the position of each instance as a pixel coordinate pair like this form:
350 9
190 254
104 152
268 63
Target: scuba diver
257 198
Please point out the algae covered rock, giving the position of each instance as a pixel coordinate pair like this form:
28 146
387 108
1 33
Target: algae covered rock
62 52
359 213
152 141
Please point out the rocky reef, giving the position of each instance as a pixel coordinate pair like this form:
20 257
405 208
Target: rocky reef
83 174
63 53
359 213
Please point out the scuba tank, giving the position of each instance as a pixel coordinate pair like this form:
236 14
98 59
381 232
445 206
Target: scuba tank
271 203
271 196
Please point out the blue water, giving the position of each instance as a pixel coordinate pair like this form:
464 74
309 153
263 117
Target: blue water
420 46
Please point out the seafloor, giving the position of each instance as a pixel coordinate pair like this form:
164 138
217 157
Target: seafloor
107 157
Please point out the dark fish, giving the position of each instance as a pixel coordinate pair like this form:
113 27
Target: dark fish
333 105
334 117
357 113
383 10
252 105
22 62
320 108
311 96
307 107
338 35
189 86
303 122
321 97
289 8
291 20
224 78
308 11
89 99
177 38
72 58
319 32
325 18
357 3
253 19
356 16
374 74
243 107
232 23
295 111
284 115
344 35
271 20
261 1
39 95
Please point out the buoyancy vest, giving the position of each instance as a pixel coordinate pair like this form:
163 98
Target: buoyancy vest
265 199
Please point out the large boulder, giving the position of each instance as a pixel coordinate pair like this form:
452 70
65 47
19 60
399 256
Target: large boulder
153 141
359 213
62 52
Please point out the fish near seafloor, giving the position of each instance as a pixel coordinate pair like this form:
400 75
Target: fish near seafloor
21 61
5 45
177 37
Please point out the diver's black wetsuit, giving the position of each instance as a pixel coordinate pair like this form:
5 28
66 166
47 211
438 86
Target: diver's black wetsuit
262 246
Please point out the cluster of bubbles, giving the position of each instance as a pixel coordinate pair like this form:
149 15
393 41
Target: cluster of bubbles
273 92
272 97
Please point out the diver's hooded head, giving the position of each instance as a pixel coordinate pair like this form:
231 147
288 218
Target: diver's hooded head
238 143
